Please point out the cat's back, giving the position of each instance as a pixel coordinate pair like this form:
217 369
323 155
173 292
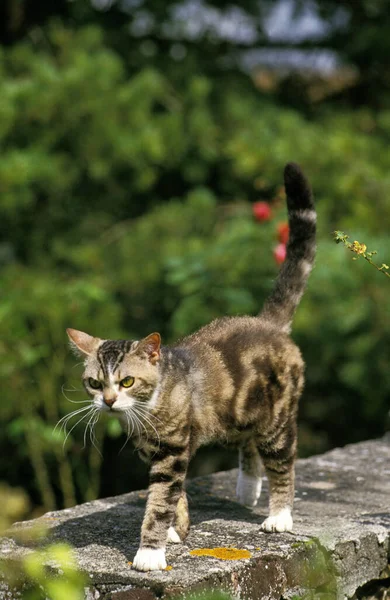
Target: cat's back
235 348
240 335
242 367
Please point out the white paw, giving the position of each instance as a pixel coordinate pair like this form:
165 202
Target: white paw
149 559
173 537
248 489
282 521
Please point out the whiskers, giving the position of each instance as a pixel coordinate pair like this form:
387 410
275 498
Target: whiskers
90 412
63 390
139 421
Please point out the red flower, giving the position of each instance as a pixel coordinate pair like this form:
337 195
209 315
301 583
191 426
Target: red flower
280 253
283 231
261 211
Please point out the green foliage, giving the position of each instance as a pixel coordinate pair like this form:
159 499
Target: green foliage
14 505
49 572
342 323
317 571
178 38
52 573
126 208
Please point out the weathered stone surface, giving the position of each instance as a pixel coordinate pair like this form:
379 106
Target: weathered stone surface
340 541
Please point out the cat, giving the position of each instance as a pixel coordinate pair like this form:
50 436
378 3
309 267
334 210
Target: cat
236 380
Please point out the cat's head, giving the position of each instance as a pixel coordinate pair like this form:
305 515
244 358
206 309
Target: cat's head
118 374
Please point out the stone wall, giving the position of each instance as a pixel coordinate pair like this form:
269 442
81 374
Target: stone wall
340 546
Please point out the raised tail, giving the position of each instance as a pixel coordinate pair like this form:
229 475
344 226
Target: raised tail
290 284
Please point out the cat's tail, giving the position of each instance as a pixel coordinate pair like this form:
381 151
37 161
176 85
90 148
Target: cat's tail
289 286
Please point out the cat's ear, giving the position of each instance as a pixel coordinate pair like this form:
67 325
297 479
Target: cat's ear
81 342
151 346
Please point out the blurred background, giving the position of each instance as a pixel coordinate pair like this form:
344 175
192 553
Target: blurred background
137 141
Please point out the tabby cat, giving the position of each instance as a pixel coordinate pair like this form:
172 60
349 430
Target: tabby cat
236 380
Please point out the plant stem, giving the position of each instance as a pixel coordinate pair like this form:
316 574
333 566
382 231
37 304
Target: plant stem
360 250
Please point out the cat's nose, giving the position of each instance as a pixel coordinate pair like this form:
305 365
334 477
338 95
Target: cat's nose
109 399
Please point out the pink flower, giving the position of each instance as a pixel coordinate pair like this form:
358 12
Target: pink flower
283 232
261 211
280 253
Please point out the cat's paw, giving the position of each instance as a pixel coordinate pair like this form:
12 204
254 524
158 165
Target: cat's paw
150 559
248 489
282 521
173 536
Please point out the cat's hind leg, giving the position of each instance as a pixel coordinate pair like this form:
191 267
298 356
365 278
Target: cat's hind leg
250 471
181 524
279 462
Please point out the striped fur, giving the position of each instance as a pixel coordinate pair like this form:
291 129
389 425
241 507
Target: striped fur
237 380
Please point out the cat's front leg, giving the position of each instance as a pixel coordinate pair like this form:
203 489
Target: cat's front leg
166 480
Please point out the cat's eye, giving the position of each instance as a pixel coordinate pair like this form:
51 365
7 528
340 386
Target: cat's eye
94 384
127 382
